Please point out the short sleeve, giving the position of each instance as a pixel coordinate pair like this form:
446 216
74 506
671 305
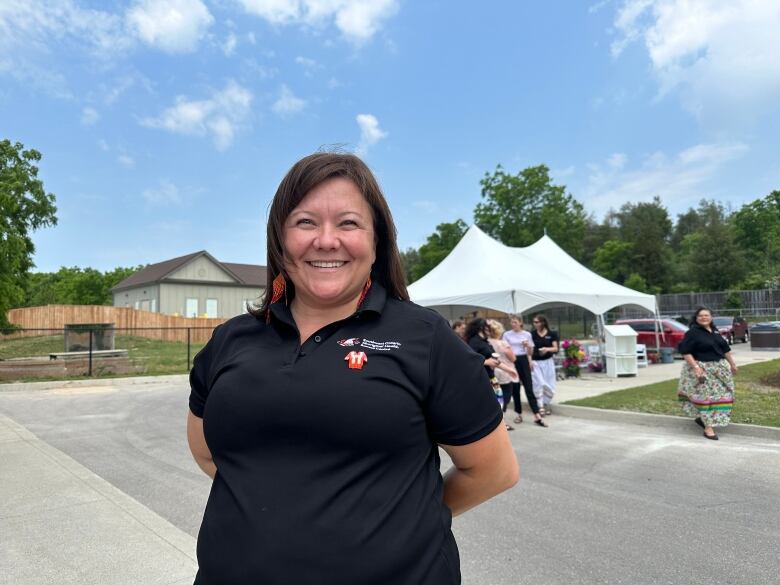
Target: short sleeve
200 376
686 345
724 345
460 406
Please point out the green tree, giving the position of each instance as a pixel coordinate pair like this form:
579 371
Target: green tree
708 257
647 227
410 258
596 235
24 207
687 223
757 233
74 286
437 246
636 282
613 260
519 208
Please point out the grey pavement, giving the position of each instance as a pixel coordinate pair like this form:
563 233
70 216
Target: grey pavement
97 486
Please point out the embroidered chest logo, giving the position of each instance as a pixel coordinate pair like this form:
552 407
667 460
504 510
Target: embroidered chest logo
369 344
356 359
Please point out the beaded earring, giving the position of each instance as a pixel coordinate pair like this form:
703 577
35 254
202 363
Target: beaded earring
279 288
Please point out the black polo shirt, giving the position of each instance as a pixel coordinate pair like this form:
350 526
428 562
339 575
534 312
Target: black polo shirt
543 341
703 345
326 454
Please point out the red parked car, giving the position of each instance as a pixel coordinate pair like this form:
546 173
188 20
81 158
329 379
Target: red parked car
732 328
670 332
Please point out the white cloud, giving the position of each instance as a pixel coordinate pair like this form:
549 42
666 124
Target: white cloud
357 20
33 24
229 46
721 55
219 116
425 205
305 62
89 116
174 26
165 193
126 161
680 180
370 132
288 104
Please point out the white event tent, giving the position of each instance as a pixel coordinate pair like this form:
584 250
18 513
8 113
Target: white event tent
481 272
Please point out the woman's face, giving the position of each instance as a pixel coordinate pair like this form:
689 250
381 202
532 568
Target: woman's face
704 318
329 244
538 325
460 330
516 324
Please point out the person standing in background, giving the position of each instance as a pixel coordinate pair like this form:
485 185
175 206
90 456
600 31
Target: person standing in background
506 373
543 371
459 327
522 345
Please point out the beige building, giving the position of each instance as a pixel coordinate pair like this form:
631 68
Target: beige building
196 285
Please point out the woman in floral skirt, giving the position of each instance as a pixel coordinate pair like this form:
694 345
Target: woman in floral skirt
706 387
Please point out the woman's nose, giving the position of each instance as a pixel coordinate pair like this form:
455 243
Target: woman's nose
327 238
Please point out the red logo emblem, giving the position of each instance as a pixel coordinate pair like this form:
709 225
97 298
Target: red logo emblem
356 359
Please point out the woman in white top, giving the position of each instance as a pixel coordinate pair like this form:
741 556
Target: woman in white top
522 346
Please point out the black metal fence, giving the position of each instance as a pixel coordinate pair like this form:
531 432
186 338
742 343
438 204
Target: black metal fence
98 350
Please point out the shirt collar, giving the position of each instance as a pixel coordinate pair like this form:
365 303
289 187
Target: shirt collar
373 303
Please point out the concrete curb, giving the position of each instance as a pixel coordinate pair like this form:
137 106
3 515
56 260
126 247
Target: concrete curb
56 384
659 420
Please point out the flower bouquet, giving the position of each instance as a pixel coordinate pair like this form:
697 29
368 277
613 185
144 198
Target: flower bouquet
573 356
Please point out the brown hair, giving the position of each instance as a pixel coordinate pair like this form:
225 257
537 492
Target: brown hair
543 321
304 176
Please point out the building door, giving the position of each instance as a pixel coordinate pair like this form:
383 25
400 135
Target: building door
211 308
191 308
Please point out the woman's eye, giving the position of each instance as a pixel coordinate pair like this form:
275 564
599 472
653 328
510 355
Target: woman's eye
304 221
349 223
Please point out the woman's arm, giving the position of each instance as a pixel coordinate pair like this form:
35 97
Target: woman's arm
732 363
508 351
481 470
697 370
198 448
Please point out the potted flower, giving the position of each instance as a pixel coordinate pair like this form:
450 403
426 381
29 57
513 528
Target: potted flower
573 356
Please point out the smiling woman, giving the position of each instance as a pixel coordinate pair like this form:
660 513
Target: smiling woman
346 490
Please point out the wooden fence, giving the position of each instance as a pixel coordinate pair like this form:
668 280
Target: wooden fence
142 323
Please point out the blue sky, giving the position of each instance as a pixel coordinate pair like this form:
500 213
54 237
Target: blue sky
167 125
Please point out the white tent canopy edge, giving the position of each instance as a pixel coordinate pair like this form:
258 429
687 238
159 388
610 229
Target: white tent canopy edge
482 272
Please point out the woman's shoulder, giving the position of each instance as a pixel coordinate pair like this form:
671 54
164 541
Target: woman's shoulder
396 308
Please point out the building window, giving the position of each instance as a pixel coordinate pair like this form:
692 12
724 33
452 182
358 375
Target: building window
191 308
154 305
137 305
145 305
211 308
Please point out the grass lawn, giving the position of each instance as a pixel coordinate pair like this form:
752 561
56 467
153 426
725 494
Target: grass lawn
152 357
756 400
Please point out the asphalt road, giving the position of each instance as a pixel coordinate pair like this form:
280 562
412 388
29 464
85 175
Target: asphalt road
597 502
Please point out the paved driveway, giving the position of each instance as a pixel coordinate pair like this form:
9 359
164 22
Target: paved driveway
598 502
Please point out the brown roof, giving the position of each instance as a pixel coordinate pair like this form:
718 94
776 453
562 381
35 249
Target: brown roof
248 274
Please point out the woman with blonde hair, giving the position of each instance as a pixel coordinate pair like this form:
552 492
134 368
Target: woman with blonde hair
506 373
